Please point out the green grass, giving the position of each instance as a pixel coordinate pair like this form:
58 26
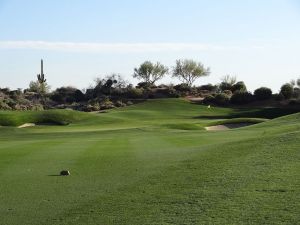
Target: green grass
151 163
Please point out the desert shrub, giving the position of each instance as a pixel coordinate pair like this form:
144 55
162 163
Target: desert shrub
88 108
241 97
145 85
208 87
294 102
210 99
168 92
263 93
65 95
107 105
79 96
120 104
182 87
135 93
287 91
4 106
5 91
296 92
228 92
221 99
129 103
225 86
37 107
239 86
278 97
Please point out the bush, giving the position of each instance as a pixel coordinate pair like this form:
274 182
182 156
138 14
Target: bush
135 93
209 100
107 105
278 97
182 87
208 87
129 103
4 106
145 85
65 95
168 92
296 93
294 102
221 99
239 86
287 91
241 97
263 93
225 86
120 104
228 92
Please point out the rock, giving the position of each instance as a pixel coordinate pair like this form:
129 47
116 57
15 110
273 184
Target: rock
65 173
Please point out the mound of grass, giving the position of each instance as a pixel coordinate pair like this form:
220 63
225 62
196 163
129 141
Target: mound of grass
50 117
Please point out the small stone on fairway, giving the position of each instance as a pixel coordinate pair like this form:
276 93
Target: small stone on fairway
65 173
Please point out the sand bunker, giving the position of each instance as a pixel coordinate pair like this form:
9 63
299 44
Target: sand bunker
194 99
228 126
27 125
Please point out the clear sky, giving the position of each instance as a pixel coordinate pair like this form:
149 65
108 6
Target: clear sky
256 40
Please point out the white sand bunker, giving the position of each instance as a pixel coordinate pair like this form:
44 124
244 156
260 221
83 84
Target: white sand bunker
228 126
26 125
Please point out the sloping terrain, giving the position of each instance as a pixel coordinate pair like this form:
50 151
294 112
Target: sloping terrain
151 163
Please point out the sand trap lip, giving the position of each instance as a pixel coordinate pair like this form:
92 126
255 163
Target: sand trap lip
228 126
26 125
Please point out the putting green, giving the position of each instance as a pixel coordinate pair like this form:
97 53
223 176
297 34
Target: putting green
150 163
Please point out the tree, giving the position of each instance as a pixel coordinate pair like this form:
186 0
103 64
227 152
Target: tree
287 90
298 82
40 88
188 71
263 93
109 84
239 86
149 72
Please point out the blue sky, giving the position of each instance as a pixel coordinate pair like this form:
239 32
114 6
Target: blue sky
257 41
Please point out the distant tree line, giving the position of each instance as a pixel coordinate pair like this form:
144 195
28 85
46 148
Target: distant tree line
113 91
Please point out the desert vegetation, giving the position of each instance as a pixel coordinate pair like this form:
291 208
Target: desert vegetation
113 91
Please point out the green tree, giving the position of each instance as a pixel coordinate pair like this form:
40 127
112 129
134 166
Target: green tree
287 90
40 88
239 86
149 72
188 71
298 82
263 93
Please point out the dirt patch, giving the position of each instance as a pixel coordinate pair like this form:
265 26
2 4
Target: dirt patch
228 126
26 125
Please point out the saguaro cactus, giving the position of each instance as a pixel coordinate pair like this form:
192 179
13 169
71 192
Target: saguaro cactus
42 80
41 77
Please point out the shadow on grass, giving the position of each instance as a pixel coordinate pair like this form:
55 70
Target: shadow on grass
268 113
